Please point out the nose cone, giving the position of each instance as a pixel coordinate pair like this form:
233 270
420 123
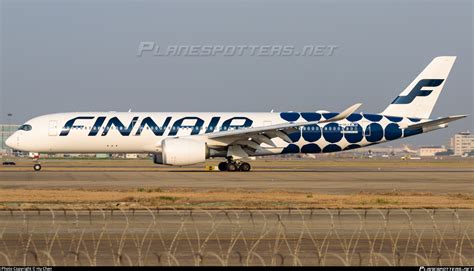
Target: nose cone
9 141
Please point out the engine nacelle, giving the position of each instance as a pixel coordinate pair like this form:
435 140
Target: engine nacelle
181 152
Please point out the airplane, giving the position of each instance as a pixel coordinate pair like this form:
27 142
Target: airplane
185 138
408 150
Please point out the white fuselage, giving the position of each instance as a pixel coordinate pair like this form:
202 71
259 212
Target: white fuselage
143 132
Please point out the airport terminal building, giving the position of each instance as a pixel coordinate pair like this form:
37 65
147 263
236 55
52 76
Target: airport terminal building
5 131
462 143
426 151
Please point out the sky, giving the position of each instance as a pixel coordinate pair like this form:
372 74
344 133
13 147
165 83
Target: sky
81 55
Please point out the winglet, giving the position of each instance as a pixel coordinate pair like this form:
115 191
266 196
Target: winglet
344 114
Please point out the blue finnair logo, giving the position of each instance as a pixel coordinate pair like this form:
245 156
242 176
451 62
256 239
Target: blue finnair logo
417 91
158 129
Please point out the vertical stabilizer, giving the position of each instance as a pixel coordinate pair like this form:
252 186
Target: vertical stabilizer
419 98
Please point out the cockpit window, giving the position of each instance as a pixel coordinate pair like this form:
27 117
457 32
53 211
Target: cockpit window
25 127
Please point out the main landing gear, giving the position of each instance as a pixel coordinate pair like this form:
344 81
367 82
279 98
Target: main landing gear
233 165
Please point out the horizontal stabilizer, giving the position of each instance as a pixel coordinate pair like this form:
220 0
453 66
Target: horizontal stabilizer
436 122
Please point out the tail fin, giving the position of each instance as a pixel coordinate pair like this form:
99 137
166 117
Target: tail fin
419 98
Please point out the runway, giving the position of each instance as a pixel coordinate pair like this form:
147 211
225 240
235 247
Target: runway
323 176
321 182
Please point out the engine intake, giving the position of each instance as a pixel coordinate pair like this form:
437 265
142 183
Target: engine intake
181 152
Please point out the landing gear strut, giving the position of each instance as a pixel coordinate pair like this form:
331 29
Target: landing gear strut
234 165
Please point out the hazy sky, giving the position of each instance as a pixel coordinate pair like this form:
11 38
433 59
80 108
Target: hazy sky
60 56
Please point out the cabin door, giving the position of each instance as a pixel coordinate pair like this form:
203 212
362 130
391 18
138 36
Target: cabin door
53 128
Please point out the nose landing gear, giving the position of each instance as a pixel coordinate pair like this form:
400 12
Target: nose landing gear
37 167
234 165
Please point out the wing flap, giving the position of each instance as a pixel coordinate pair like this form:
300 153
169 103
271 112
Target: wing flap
263 139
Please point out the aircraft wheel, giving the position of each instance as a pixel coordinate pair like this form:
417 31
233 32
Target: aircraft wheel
244 167
37 167
231 167
222 166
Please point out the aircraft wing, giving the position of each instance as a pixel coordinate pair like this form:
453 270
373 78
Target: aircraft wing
283 126
253 137
436 122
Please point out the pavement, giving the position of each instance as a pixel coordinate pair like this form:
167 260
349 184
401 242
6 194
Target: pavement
331 182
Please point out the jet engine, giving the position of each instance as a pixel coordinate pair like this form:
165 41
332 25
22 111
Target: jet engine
181 152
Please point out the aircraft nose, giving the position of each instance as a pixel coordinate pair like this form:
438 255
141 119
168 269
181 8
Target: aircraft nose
9 141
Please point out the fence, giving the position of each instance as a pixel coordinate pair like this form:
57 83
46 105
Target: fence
236 237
